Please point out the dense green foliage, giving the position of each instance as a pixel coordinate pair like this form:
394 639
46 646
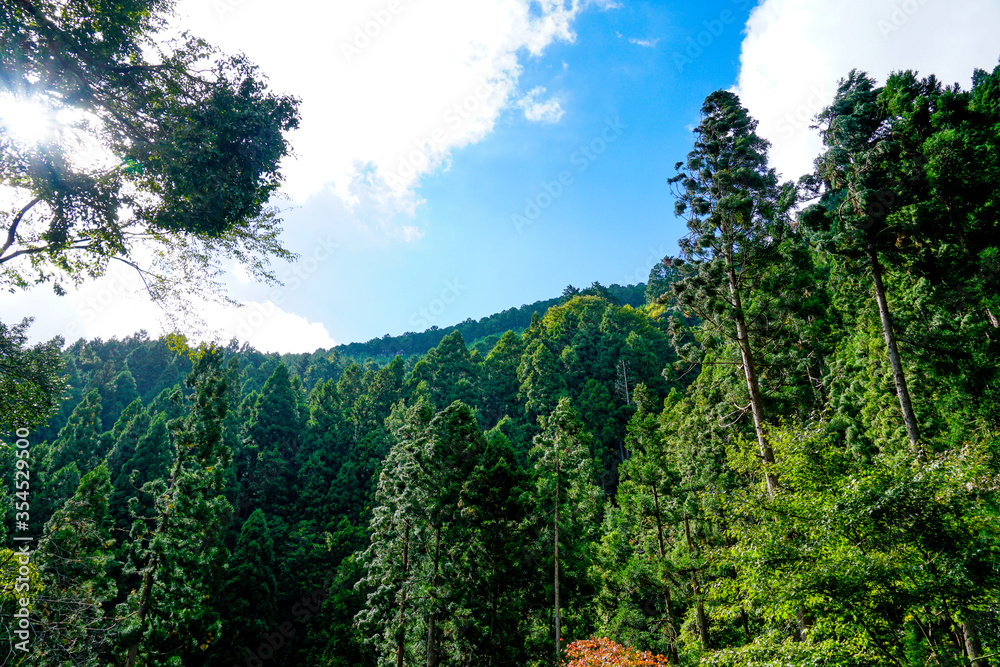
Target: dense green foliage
484 333
29 378
290 484
163 144
726 475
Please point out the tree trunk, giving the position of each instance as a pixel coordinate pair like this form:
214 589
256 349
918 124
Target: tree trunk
973 647
556 559
702 621
753 386
800 617
147 586
909 418
687 534
493 620
696 591
401 633
432 651
671 634
659 524
132 655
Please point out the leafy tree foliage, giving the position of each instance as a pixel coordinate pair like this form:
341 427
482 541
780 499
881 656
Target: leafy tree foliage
602 652
273 437
30 378
183 156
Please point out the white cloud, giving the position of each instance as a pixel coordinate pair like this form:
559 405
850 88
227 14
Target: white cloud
116 306
795 51
241 274
647 43
549 111
103 308
267 327
389 87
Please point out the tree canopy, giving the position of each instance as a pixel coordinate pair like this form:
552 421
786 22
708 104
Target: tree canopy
160 152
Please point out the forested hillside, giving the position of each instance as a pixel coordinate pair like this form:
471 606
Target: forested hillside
297 453
138 367
484 333
788 455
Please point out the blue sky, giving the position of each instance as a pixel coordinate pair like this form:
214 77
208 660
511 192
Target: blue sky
465 158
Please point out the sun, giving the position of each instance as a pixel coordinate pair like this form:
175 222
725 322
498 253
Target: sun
71 132
25 120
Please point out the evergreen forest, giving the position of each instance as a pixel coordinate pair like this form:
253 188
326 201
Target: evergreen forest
783 449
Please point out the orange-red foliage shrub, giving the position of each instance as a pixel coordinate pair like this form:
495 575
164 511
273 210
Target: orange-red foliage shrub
602 652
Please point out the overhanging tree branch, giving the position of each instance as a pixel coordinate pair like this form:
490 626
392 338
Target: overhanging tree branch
12 231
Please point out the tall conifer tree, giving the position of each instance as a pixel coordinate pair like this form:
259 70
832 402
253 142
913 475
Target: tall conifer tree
76 579
740 245
169 617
